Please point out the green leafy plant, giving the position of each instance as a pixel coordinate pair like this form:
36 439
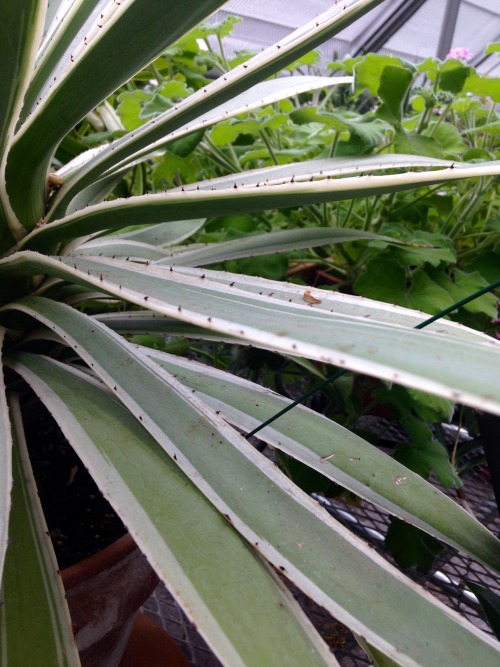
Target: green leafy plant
161 434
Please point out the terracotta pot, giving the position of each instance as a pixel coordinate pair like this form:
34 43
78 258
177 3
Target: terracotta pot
150 646
104 594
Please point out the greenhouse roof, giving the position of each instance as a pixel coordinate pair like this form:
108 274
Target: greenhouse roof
410 29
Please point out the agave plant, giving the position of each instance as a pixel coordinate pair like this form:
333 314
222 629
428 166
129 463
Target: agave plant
162 435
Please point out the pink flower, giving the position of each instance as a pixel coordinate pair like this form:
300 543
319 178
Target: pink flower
460 53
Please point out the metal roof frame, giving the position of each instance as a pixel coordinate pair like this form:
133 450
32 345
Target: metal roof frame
395 26
396 13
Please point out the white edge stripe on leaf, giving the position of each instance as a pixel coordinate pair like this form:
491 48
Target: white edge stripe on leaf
5 465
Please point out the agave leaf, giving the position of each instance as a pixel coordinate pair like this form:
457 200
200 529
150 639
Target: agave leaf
342 304
97 191
166 234
5 466
250 246
31 585
306 170
338 454
490 604
420 359
63 22
262 94
265 244
355 464
146 242
318 169
109 48
112 247
55 7
236 198
405 180
288 528
192 547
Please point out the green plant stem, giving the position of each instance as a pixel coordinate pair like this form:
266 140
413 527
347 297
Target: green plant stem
325 216
428 191
315 214
472 199
347 215
424 121
382 148
235 160
471 206
222 54
217 154
491 114
370 212
277 135
440 119
329 94
386 202
453 457
488 242
289 407
333 145
157 74
169 67
265 139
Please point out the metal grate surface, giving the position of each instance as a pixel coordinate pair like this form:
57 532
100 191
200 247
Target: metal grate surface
446 580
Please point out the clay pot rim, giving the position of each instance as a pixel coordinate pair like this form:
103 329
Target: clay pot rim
93 565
